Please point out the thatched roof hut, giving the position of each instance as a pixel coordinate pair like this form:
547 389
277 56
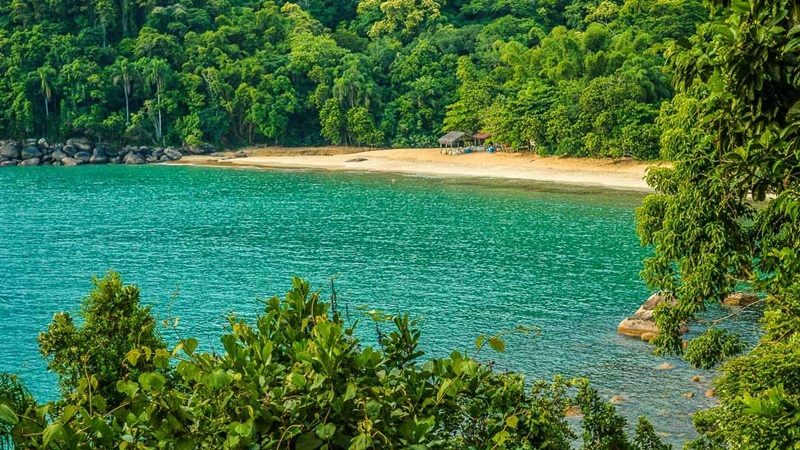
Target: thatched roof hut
454 137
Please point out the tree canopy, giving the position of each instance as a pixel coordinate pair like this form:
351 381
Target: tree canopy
579 78
725 215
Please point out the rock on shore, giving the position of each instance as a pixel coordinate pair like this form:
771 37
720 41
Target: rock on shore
80 150
641 324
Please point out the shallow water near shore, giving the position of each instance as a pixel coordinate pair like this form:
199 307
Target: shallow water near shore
467 256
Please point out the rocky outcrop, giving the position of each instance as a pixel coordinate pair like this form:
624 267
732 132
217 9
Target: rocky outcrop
10 150
82 144
133 158
642 322
31 162
84 157
58 155
99 156
71 161
79 151
740 299
173 154
31 153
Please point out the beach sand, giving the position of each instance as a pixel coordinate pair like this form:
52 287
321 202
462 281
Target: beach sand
623 175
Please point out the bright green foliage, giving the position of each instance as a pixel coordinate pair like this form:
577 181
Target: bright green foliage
90 356
727 213
362 128
298 378
253 71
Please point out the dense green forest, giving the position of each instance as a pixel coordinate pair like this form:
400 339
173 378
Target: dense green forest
577 77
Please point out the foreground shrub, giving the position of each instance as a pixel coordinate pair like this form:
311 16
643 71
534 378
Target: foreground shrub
299 378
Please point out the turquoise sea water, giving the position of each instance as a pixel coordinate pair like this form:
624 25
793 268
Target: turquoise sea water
466 256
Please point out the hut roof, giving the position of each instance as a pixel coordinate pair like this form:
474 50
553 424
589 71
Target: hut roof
453 137
483 135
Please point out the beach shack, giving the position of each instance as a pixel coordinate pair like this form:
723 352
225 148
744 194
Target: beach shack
455 139
480 138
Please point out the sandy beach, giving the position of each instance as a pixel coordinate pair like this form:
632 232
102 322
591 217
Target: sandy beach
623 175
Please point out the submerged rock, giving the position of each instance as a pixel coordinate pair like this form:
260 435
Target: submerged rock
647 337
573 412
642 321
617 399
740 299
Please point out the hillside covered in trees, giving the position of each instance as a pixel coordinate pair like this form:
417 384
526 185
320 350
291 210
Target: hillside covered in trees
557 76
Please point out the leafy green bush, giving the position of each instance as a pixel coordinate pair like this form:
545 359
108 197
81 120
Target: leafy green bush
297 377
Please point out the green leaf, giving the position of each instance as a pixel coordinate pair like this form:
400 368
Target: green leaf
7 415
133 356
68 413
53 431
308 441
512 421
326 431
189 345
243 429
218 379
152 381
479 341
350 392
298 380
128 387
497 344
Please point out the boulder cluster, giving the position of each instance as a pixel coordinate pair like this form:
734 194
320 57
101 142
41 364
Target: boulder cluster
642 324
78 151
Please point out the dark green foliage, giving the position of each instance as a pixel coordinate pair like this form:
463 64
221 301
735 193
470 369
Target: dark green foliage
297 377
712 348
13 397
253 71
727 214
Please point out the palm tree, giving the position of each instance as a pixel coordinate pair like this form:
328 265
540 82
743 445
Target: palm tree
46 75
123 72
155 71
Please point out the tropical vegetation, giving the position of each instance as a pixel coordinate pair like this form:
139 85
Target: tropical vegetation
296 377
726 215
582 77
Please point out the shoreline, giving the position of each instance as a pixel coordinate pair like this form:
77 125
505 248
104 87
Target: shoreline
626 175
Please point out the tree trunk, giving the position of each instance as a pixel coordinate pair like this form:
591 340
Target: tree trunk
127 105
